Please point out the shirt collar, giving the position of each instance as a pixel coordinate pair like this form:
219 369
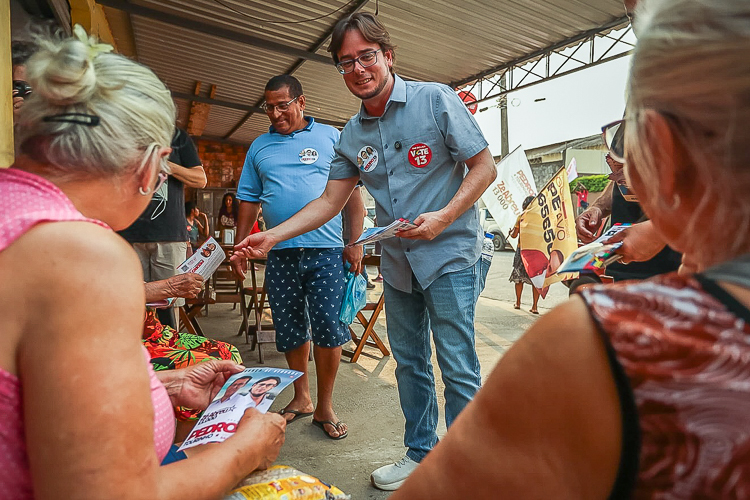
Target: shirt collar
398 94
308 127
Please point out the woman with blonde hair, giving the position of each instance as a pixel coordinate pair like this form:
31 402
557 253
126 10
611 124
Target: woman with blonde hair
75 423
639 389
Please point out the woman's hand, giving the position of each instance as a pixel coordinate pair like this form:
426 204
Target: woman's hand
265 432
187 285
197 385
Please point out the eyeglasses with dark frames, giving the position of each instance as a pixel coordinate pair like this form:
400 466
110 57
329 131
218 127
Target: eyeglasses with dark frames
365 60
283 107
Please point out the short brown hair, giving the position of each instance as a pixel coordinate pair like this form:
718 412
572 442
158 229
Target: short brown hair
369 27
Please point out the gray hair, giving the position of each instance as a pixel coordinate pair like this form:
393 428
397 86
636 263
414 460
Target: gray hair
690 65
75 75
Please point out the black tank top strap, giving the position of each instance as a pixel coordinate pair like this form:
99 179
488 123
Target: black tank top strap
627 472
736 272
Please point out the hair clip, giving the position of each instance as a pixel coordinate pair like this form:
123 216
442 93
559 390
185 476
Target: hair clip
76 118
94 48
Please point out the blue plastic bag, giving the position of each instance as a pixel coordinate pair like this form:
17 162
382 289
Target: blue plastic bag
355 297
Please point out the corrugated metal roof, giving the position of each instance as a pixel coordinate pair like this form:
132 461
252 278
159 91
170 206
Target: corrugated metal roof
437 40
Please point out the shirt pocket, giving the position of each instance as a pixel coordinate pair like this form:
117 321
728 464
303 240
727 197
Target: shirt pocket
421 154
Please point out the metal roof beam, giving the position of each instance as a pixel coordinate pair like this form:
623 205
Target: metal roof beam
240 106
297 65
579 38
521 65
175 20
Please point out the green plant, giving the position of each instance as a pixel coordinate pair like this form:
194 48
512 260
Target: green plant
593 183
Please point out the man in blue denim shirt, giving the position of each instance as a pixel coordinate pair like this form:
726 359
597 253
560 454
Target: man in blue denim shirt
411 144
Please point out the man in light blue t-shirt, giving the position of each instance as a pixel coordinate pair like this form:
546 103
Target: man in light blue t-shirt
285 169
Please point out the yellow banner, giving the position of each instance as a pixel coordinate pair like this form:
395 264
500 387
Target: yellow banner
548 233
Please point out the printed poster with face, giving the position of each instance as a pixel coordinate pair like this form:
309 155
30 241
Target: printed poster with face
548 233
251 388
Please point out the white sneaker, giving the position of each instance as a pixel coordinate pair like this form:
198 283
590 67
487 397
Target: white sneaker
390 477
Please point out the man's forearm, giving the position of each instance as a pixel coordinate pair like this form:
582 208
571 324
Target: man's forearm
604 201
192 177
482 172
247 215
355 215
317 212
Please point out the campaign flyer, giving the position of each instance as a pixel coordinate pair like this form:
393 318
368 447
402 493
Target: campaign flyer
382 233
205 260
596 255
251 388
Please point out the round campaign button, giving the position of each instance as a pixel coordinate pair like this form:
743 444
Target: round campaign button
420 155
308 156
367 158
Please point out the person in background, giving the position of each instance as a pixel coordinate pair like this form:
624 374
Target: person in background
284 170
229 212
655 371
159 236
582 197
197 225
75 423
20 52
518 274
421 156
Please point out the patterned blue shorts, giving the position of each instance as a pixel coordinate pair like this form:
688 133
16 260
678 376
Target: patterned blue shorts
305 288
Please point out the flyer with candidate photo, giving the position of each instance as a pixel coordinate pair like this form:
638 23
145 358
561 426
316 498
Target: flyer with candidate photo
205 260
382 233
251 388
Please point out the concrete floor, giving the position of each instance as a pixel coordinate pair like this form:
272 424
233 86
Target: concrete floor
366 397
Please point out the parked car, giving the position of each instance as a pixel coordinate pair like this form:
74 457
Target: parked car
369 248
490 226
370 218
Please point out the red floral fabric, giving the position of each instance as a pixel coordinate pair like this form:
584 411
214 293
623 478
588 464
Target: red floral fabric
170 349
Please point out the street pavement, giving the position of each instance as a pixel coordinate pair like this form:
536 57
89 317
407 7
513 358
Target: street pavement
366 397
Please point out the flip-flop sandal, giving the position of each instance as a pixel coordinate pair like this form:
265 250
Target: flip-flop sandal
321 424
297 414
516 306
533 311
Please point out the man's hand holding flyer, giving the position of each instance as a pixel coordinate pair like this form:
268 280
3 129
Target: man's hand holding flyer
382 233
251 388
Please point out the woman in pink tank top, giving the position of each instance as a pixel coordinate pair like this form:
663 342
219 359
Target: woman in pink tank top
94 137
639 389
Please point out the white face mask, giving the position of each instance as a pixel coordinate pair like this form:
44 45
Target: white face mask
162 196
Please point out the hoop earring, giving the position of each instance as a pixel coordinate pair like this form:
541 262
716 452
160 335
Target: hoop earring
144 192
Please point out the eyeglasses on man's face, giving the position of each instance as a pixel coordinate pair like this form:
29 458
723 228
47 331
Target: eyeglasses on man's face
283 107
614 138
365 60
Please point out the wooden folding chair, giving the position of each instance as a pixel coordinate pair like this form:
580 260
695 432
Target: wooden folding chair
369 337
255 300
188 313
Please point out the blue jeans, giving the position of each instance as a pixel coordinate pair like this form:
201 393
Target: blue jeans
447 306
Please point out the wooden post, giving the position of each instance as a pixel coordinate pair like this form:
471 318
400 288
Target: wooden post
6 84
91 16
